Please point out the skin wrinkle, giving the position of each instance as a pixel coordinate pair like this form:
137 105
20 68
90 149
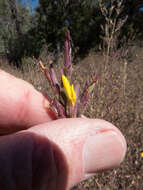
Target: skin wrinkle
76 151
62 137
67 136
76 146
18 108
23 107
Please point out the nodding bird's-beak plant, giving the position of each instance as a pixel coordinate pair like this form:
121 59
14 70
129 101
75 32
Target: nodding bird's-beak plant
66 101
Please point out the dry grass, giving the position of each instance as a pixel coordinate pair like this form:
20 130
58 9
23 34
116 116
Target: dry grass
121 104
119 100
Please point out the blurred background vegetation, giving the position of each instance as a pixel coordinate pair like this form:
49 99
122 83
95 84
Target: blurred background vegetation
25 30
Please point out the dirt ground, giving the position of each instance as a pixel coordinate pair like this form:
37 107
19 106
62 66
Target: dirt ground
120 101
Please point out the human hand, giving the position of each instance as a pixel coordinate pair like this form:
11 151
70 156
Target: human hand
50 155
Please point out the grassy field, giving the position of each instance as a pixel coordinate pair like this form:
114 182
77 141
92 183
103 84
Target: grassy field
118 98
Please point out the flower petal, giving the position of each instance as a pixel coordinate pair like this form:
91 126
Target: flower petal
69 89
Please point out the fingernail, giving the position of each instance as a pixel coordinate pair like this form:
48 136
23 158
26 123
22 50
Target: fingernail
103 151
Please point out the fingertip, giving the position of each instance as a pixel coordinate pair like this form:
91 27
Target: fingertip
21 105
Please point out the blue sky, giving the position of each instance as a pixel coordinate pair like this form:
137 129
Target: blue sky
34 3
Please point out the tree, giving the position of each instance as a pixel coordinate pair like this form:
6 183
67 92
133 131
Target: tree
54 16
135 17
16 22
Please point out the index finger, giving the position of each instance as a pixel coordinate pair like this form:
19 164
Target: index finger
21 105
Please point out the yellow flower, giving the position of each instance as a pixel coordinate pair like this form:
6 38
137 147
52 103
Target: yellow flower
142 154
69 89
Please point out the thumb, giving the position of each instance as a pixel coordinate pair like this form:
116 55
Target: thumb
88 146
59 154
